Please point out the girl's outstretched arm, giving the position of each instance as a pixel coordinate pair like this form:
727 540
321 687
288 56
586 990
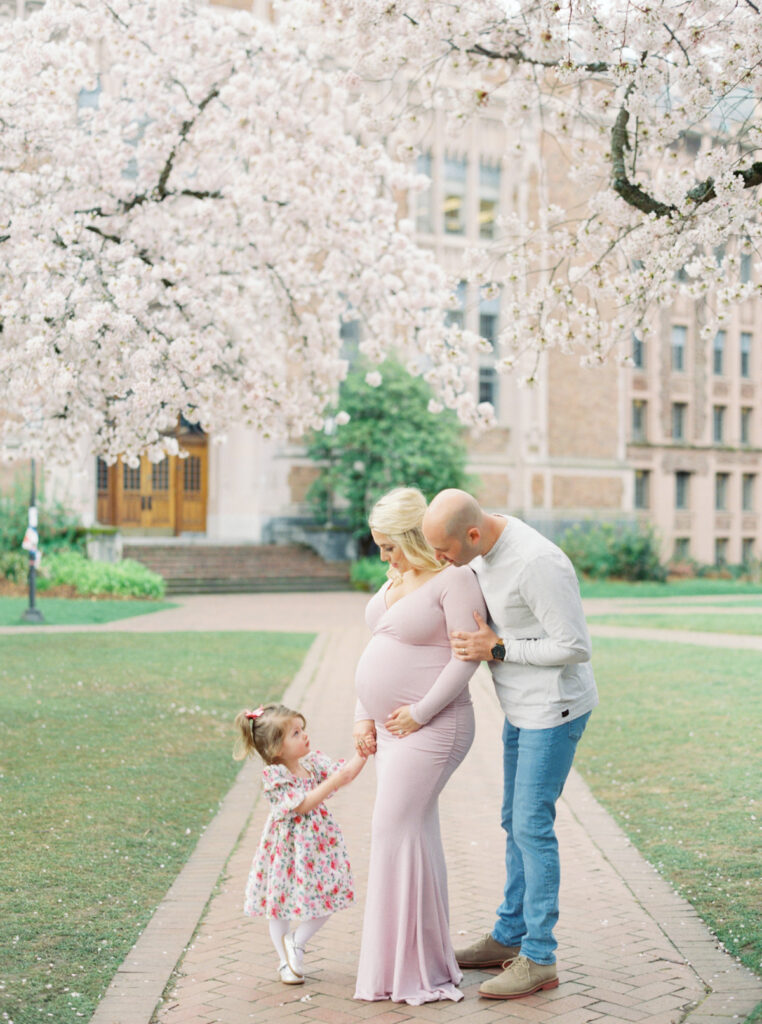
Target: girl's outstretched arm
341 777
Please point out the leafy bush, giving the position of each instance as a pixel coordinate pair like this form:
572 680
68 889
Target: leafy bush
391 440
121 579
14 566
57 527
367 574
603 551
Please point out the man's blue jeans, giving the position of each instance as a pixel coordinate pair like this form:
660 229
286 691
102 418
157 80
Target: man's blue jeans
536 763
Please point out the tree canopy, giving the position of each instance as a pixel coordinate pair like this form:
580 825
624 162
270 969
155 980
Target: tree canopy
383 436
191 199
649 113
186 214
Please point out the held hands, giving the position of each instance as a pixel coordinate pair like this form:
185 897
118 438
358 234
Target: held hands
364 737
474 646
400 722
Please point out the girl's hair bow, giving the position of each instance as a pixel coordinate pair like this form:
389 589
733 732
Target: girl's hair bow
256 713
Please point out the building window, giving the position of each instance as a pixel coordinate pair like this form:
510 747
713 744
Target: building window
349 332
745 354
489 324
457 317
192 474
718 353
721 551
721 491
424 200
642 488
745 267
639 419
682 549
638 352
489 319
747 550
488 388
679 414
101 472
745 425
454 196
682 496
18 8
679 337
130 478
748 486
718 423
160 475
489 198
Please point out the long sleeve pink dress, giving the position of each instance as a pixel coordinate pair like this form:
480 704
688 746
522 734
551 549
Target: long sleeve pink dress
406 953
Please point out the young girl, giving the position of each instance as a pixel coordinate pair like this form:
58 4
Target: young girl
301 873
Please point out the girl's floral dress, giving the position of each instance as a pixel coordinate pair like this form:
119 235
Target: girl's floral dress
301 869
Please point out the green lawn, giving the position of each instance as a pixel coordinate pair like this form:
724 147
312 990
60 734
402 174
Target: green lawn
675 588
115 751
700 621
61 611
674 753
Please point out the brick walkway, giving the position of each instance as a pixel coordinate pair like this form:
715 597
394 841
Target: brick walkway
630 950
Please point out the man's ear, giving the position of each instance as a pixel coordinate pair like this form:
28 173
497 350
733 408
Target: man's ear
474 534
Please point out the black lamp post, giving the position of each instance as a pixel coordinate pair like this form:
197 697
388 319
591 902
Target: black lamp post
33 613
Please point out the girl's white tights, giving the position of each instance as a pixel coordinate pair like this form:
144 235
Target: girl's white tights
302 933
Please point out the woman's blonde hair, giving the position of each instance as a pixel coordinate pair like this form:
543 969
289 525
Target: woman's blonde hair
263 731
399 515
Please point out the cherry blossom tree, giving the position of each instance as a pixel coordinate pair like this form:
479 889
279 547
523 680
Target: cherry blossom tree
187 212
192 199
640 121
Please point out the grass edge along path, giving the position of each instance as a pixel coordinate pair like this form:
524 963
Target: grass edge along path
116 753
746 624
695 587
671 754
84 611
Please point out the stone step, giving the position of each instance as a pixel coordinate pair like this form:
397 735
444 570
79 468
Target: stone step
249 568
290 584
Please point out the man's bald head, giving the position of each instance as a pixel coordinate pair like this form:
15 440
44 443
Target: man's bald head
454 511
453 524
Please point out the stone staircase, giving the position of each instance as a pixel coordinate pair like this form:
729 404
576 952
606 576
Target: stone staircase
196 568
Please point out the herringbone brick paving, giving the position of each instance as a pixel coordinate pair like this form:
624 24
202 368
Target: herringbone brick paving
630 950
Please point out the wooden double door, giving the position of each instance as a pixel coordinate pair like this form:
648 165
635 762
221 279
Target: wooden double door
167 497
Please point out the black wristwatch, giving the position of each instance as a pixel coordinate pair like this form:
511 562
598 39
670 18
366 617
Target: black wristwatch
498 651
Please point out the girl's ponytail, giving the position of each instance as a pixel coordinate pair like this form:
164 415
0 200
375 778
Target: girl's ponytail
262 731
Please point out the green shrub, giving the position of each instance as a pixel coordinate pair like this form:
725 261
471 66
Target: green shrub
56 526
391 440
367 574
604 551
121 579
14 566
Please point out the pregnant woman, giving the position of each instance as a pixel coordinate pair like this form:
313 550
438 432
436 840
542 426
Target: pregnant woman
414 710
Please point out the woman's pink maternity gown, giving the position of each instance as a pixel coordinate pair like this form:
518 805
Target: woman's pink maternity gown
406 953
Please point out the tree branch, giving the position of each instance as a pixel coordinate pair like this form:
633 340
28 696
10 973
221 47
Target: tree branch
517 56
632 194
635 196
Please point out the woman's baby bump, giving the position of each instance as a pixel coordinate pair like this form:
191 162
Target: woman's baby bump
391 673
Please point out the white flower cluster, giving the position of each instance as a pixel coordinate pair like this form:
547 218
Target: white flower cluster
634 128
190 201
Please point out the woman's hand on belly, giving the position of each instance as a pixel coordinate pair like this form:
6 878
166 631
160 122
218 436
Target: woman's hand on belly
400 722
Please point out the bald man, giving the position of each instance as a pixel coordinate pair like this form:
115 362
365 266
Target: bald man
538 649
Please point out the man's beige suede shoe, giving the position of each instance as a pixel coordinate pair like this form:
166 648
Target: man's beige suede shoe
487 952
520 978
